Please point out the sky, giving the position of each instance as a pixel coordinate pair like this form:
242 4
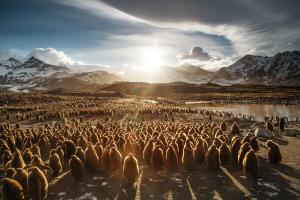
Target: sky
141 34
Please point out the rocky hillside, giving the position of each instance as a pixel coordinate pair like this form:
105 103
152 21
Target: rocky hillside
36 74
283 68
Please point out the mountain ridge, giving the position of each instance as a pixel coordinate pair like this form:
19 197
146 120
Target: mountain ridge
36 74
282 68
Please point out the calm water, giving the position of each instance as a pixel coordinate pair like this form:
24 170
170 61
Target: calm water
258 110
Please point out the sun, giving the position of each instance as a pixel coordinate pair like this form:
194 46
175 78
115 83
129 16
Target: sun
152 58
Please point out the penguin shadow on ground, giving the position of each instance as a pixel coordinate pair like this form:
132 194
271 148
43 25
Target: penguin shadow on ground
127 192
213 184
273 181
163 184
94 185
276 181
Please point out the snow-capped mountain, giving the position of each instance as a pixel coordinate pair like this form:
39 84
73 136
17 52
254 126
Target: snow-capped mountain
283 68
193 74
29 72
34 73
8 65
79 81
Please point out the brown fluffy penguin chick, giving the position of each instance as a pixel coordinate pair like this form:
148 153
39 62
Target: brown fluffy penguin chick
60 152
115 158
38 162
250 164
80 153
223 126
82 142
188 159
11 143
224 153
235 147
234 138
128 147
9 172
27 156
55 164
37 184
245 139
138 150
94 139
70 149
242 152
105 161
17 161
35 149
235 129
157 158
217 142
6 156
199 152
21 176
76 166
11 190
99 150
274 153
147 153
43 144
212 158
90 158
130 169
171 158
254 144
180 144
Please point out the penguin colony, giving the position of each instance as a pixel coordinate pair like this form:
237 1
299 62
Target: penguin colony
32 156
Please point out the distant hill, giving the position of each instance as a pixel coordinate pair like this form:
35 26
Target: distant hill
281 69
160 89
35 74
201 91
185 73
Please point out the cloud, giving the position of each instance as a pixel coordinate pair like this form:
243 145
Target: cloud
117 28
208 12
101 9
268 26
51 56
196 53
198 57
211 65
12 53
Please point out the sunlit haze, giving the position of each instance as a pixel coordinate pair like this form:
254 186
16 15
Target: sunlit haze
152 58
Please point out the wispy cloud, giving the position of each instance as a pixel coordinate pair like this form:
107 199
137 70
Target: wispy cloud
247 24
101 9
